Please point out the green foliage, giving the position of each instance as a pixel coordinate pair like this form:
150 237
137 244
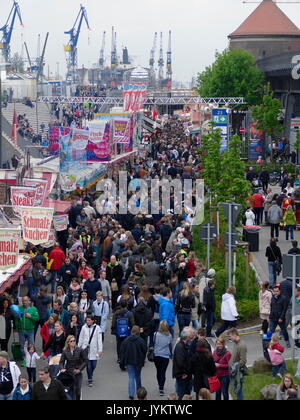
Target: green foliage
266 114
17 63
232 74
255 382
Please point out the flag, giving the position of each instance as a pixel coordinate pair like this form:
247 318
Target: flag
14 127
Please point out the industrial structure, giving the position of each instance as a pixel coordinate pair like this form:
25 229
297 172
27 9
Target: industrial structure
71 47
7 30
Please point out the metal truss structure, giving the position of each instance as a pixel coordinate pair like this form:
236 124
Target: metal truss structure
150 100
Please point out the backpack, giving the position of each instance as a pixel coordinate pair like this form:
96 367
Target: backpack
122 327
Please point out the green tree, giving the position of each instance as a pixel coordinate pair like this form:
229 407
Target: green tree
232 74
267 114
233 184
17 63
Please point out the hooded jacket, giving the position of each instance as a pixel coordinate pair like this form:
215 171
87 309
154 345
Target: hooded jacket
143 317
228 308
18 396
274 214
25 324
166 311
133 351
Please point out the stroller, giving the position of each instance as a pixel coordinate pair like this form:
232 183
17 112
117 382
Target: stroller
67 379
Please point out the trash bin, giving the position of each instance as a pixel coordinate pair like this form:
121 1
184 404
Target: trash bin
251 235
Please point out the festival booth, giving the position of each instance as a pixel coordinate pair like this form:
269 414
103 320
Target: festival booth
10 276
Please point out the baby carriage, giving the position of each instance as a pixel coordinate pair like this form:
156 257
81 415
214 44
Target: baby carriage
67 379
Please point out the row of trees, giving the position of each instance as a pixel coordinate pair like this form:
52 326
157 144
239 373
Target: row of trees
234 74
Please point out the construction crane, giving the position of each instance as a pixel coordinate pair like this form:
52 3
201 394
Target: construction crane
169 61
152 61
101 60
71 47
114 58
7 30
161 60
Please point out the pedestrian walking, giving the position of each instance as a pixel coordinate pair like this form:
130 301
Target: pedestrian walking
289 222
31 359
166 308
100 310
238 363
90 339
181 364
23 390
73 361
265 298
273 253
279 307
162 354
229 313
47 388
274 218
9 377
202 367
132 354
209 306
183 307
221 358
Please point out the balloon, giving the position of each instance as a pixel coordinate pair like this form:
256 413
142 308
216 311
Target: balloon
16 311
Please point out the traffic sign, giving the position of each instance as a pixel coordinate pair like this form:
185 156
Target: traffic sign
234 239
235 211
208 232
242 130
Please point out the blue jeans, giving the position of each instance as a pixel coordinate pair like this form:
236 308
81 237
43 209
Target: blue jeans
32 291
289 229
91 366
195 324
278 369
225 381
272 273
183 387
184 320
7 397
273 325
135 381
298 369
240 394
23 337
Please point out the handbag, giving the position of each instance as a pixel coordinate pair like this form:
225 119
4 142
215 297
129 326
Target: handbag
150 355
277 262
214 384
87 349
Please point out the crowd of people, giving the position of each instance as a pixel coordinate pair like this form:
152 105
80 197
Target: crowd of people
137 276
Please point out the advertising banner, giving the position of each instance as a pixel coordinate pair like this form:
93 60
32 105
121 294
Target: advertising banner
60 222
256 142
22 196
9 247
55 132
134 95
121 131
36 224
40 185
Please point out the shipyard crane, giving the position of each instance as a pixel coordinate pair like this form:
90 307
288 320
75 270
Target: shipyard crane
71 47
161 60
152 61
7 30
101 60
114 58
169 61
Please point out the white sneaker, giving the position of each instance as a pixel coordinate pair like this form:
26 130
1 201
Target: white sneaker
279 375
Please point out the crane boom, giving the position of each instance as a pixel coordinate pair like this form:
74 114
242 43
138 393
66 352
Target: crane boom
161 59
169 58
71 47
101 60
7 30
152 53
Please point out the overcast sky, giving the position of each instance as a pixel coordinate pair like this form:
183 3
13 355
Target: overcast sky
199 28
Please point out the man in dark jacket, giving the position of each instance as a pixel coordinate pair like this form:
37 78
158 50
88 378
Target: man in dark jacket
181 364
264 176
114 270
92 286
48 389
120 313
133 354
294 250
152 274
279 307
209 303
142 318
66 273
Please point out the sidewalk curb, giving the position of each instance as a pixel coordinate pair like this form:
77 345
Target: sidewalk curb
255 328
257 275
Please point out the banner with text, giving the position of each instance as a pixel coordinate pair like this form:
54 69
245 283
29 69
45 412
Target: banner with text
22 196
9 247
134 96
36 224
41 186
122 131
60 222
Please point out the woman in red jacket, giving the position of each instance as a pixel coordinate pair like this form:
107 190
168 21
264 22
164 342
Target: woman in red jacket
191 265
83 270
221 357
47 330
